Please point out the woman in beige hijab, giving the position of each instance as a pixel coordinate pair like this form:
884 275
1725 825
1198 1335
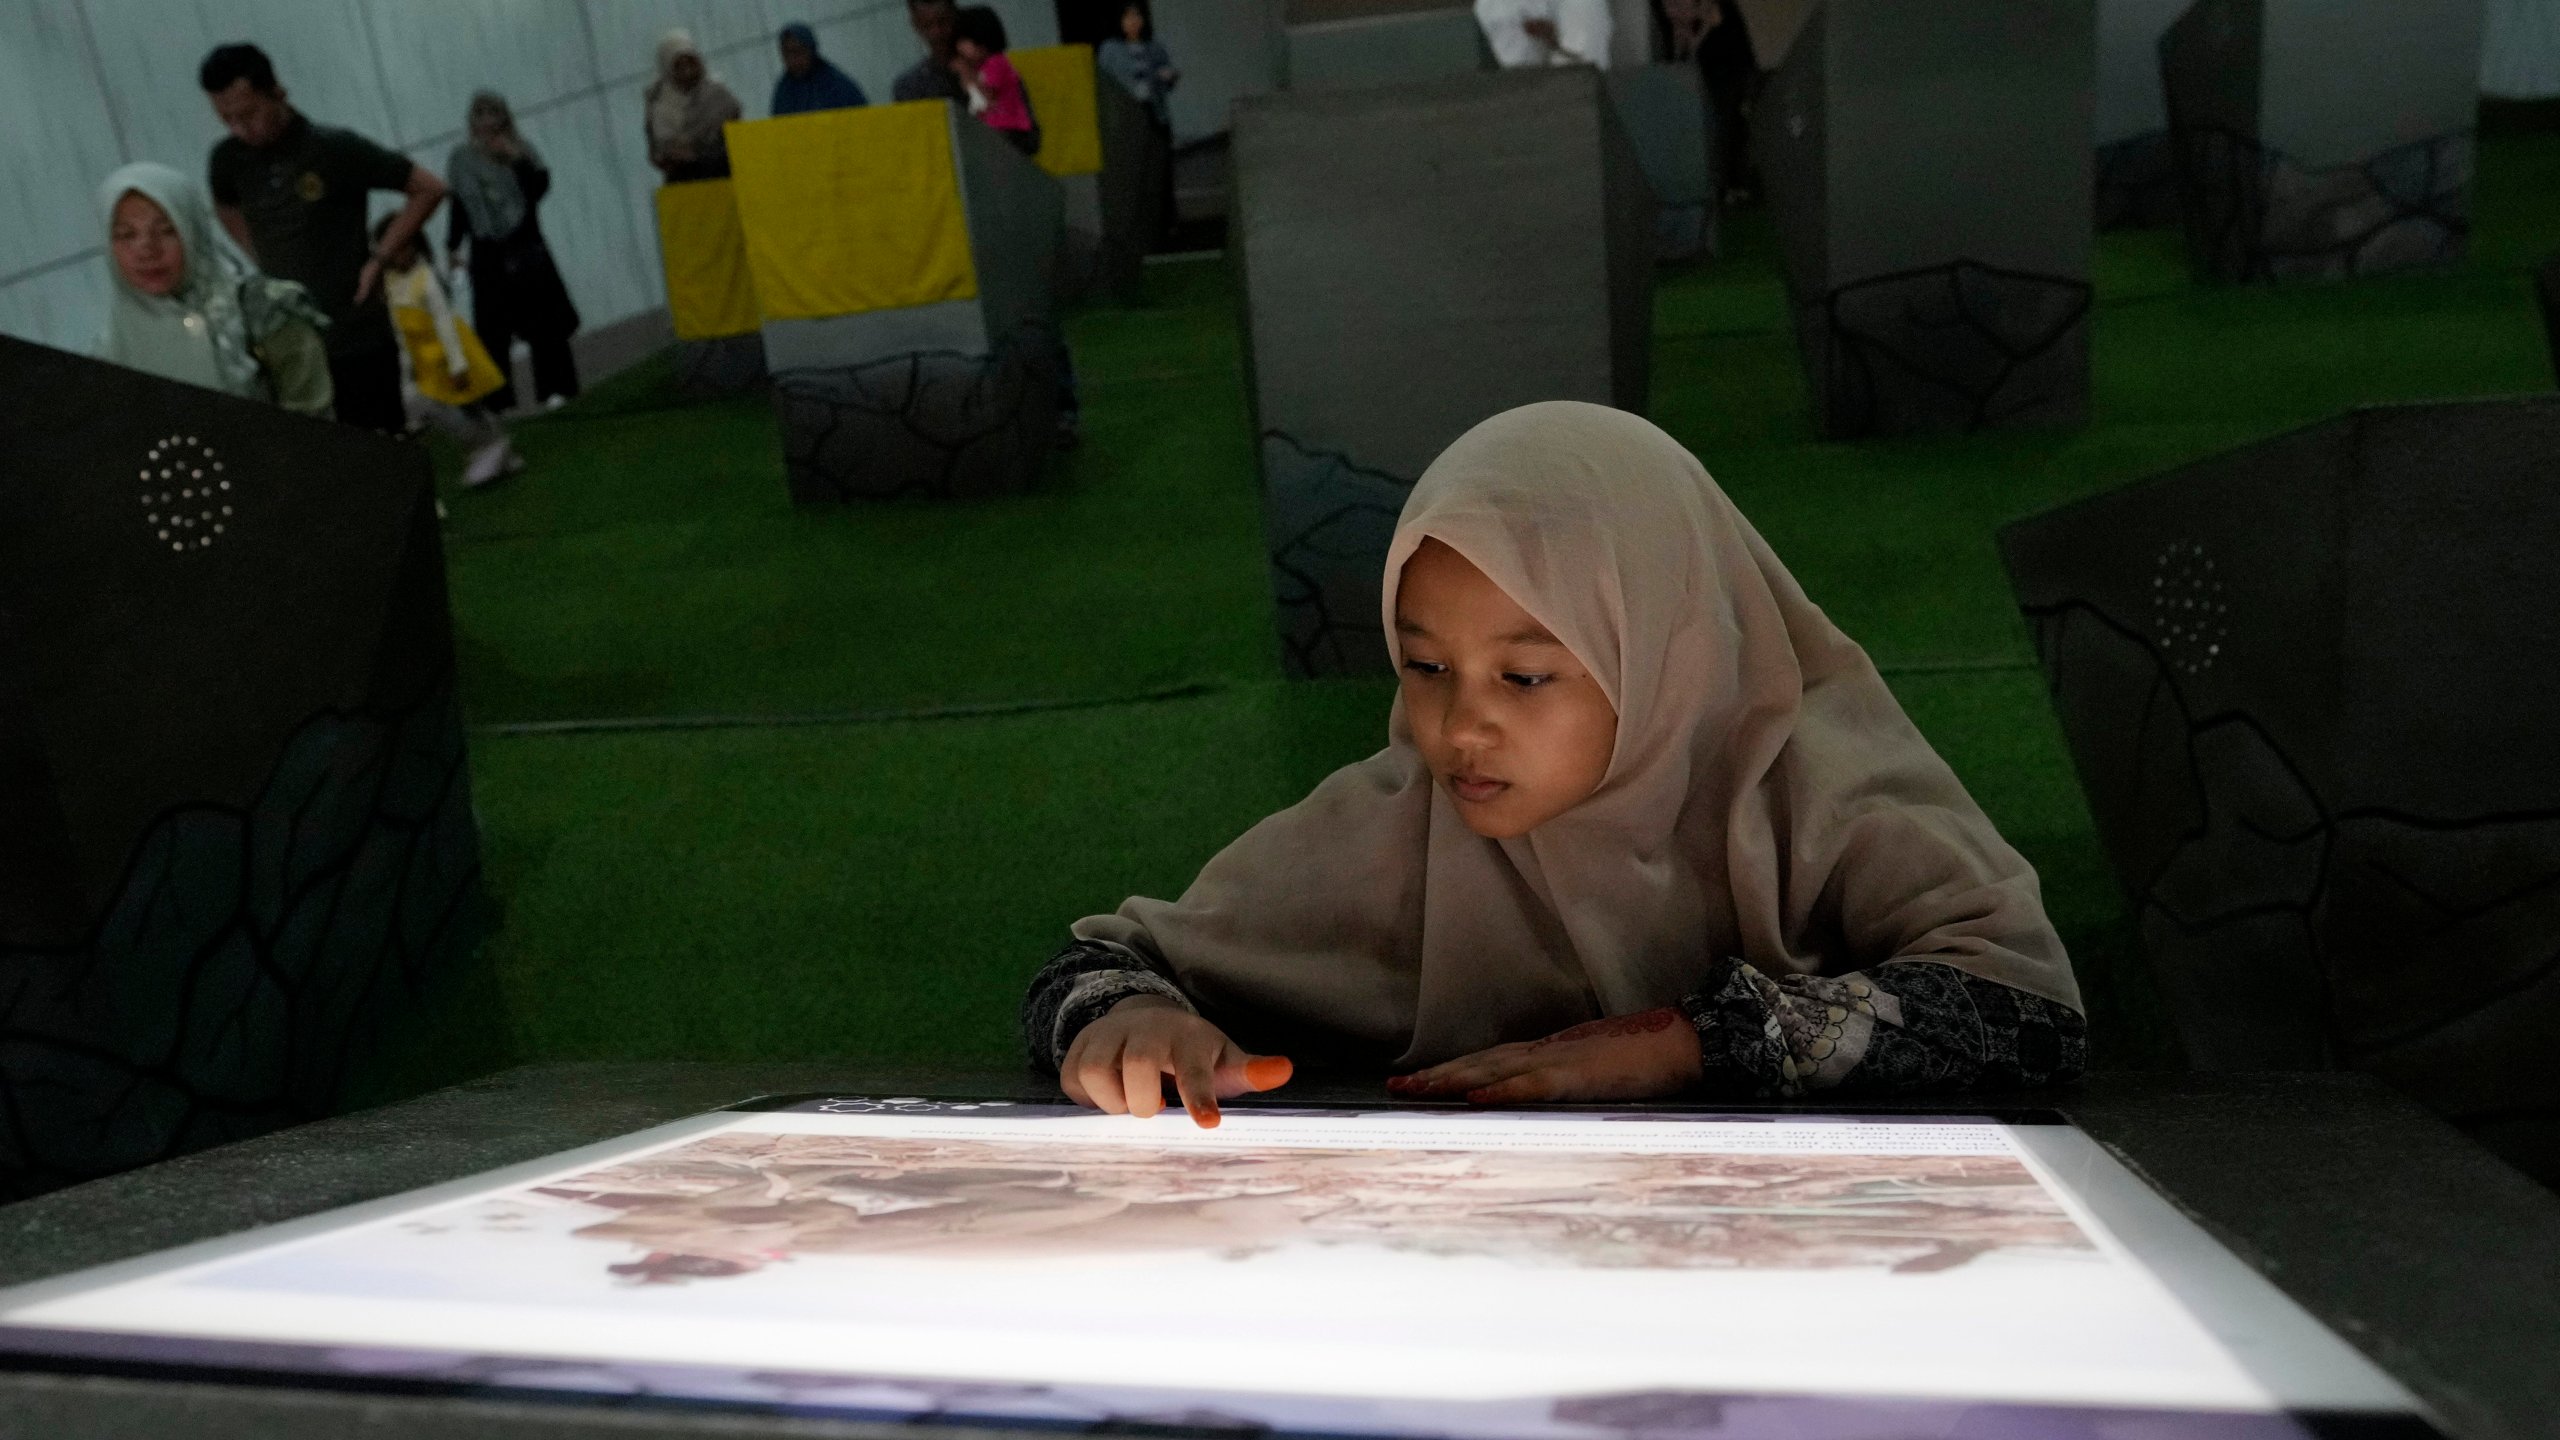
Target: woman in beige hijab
687 108
1646 824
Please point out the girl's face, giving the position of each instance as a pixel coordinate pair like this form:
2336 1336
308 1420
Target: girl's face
971 51
1133 24
149 253
1515 728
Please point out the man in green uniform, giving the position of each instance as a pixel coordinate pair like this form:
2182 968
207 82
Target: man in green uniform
294 195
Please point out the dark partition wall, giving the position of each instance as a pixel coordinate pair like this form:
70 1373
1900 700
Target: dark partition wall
1929 170
2137 181
2309 687
1415 259
238 818
2320 139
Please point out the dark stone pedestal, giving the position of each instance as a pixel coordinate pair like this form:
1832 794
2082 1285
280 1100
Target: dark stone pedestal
2137 183
936 425
1137 164
1416 259
1929 168
235 820
2308 686
926 397
2137 178
729 365
1664 111
2322 139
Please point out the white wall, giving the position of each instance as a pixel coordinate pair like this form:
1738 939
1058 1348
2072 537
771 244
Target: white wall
1226 49
87 85
2520 50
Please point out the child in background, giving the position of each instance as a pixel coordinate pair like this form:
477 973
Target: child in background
996 93
451 373
1646 824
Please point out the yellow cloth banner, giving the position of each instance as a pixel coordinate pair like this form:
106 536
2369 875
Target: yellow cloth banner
848 211
1060 79
708 293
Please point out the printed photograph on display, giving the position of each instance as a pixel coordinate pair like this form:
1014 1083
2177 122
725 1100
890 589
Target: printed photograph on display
1384 1273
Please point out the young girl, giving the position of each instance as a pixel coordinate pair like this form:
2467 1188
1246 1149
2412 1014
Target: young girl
996 95
1646 824
453 373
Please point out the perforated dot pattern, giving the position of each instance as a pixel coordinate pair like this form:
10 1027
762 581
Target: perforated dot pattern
2190 614
186 493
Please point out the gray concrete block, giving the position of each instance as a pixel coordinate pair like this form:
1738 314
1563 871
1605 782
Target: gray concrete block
2321 139
950 399
1667 119
2137 176
1929 169
2307 686
1360 45
1415 259
236 837
1130 193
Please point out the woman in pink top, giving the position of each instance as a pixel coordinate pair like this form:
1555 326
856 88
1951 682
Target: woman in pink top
995 87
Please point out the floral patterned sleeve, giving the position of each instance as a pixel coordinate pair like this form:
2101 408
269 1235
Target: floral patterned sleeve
1076 987
1906 1025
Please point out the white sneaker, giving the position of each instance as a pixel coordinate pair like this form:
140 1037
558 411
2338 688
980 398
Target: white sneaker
554 402
487 463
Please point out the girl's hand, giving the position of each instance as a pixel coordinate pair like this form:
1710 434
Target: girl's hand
1626 1057
1118 1064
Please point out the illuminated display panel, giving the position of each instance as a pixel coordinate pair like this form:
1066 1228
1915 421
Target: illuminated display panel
1370 1273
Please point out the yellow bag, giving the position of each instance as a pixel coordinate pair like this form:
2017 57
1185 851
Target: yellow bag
427 360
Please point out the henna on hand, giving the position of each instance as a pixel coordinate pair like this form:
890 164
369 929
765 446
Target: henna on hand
1643 1022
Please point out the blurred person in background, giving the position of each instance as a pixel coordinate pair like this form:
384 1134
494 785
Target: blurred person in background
687 106
295 195
498 182
451 374
183 308
937 27
1528 33
809 81
996 93
1142 66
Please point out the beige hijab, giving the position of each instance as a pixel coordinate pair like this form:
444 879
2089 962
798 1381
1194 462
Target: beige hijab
1767 798
687 117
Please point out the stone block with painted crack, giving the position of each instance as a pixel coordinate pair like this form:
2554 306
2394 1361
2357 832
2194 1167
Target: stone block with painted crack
236 838
1415 259
905 260
2323 139
1929 170
2308 685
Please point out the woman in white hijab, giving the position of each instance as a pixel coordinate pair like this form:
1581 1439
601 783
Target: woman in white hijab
1646 824
184 307
687 108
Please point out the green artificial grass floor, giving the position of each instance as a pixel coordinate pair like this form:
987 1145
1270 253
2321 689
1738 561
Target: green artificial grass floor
879 886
